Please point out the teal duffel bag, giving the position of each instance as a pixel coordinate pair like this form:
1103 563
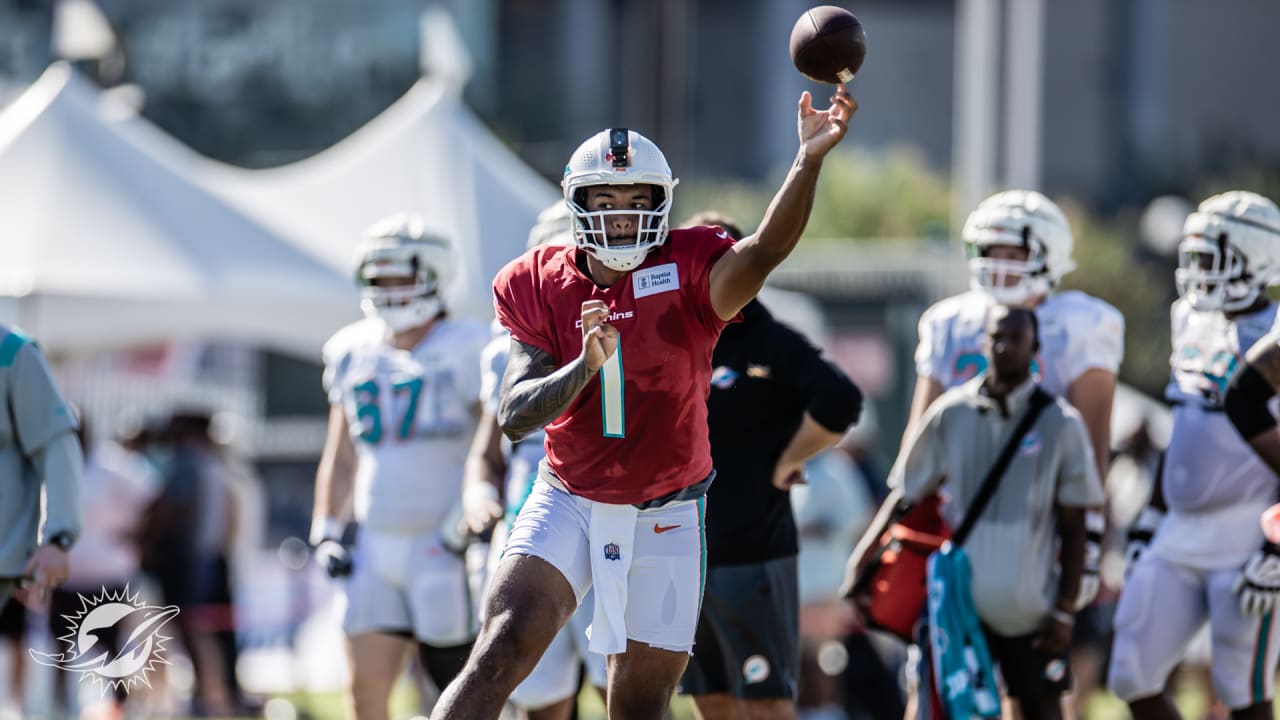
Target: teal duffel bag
962 664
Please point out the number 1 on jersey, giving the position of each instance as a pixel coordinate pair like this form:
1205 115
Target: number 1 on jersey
611 404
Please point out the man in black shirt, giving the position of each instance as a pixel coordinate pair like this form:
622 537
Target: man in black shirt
774 404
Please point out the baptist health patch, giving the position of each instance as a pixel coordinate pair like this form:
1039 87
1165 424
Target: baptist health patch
654 280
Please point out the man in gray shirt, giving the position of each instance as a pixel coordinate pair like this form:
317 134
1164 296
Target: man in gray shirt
39 455
1027 547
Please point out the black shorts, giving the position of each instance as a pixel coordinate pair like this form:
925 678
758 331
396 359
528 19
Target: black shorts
443 664
748 638
13 620
1027 671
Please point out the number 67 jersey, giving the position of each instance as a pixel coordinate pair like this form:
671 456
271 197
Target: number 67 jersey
411 414
639 432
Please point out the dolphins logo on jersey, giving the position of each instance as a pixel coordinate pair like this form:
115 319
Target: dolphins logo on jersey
1208 378
1030 444
723 377
139 627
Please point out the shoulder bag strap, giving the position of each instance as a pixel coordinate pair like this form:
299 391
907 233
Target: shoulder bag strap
1039 400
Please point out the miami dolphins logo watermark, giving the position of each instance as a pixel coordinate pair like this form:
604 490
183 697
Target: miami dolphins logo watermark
137 626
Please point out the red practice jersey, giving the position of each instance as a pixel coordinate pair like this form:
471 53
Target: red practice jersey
640 431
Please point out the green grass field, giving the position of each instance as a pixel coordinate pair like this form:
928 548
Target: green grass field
330 706
404 704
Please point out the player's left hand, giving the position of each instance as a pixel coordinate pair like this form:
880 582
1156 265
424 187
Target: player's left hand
334 558
1259 583
481 508
48 568
821 130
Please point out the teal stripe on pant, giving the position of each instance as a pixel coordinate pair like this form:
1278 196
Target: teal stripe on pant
702 534
1260 659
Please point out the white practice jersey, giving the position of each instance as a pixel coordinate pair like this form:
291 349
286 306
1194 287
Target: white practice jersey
1211 475
525 456
411 415
1078 332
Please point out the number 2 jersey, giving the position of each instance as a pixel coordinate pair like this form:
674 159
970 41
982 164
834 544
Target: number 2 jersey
644 434
1213 482
1078 332
411 414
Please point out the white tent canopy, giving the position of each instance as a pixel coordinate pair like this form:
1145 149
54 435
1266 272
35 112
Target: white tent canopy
426 154
102 246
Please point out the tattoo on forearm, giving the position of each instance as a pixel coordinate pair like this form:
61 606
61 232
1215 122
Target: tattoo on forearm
534 392
1265 357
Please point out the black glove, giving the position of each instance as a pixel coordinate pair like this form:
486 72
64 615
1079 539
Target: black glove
1140 534
334 558
1259 583
1095 525
454 535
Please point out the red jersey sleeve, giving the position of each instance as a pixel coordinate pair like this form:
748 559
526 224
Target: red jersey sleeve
518 304
706 245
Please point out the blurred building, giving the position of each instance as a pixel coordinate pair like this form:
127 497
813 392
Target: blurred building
1138 97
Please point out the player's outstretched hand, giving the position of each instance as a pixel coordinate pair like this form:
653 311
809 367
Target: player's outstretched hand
1259 583
599 339
821 130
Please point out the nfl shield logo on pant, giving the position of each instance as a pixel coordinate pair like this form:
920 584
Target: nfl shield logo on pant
612 551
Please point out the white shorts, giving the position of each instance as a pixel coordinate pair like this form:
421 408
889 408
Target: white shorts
668 567
408 584
1162 608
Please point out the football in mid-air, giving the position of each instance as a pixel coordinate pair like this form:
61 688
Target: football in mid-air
828 44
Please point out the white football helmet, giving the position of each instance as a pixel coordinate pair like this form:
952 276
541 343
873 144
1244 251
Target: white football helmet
1025 219
1230 251
399 247
618 157
554 226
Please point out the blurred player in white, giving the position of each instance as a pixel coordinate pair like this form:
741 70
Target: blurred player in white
1208 560
402 386
1019 246
550 690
